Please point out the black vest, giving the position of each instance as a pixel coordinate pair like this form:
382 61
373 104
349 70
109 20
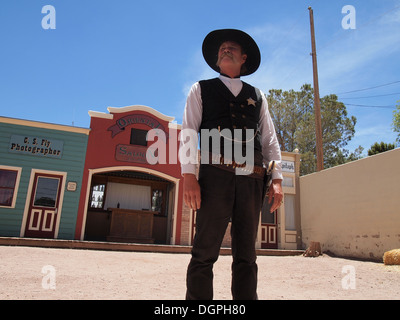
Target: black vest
222 110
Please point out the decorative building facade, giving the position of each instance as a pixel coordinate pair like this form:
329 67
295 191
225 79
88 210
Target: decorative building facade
41 168
117 181
127 194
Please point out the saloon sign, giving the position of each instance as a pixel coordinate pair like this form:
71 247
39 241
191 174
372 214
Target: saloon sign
134 153
122 123
129 153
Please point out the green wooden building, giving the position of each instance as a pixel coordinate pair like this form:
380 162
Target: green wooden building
41 168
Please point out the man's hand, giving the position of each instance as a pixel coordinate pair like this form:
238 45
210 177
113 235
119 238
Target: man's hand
275 192
191 191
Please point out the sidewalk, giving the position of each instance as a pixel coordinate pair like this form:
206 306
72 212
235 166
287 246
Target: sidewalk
116 246
53 273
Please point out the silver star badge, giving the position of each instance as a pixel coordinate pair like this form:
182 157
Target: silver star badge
250 101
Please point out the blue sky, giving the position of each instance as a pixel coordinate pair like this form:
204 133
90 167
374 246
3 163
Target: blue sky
120 53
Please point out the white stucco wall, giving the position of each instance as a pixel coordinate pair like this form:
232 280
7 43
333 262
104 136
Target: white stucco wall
353 210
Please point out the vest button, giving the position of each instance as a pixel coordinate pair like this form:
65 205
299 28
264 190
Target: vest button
231 104
233 115
243 116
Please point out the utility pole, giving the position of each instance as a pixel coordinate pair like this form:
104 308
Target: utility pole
317 105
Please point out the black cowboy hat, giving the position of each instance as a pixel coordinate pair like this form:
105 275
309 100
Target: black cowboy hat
215 38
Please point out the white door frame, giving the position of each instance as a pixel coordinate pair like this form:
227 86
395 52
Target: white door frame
29 196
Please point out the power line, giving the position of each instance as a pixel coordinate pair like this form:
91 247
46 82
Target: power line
333 40
376 96
382 85
366 106
380 16
359 105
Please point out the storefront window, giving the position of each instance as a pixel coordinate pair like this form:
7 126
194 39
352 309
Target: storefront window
127 196
156 200
289 212
97 196
46 192
287 182
8 179
138 137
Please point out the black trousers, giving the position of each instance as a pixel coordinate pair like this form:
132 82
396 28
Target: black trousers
224 197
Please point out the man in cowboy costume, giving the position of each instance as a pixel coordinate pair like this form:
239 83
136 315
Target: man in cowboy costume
221 195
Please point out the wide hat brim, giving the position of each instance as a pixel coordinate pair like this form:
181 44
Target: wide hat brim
215 38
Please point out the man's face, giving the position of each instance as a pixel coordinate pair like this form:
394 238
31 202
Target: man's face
230 56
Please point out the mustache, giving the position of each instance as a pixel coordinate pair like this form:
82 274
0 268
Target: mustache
226 54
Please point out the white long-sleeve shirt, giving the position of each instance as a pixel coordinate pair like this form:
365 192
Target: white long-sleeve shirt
192 118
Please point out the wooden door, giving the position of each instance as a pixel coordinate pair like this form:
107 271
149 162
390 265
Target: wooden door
269 239
44 206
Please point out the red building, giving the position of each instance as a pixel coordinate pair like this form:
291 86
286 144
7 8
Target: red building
124 196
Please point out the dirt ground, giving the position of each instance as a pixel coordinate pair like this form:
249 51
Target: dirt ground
63 274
